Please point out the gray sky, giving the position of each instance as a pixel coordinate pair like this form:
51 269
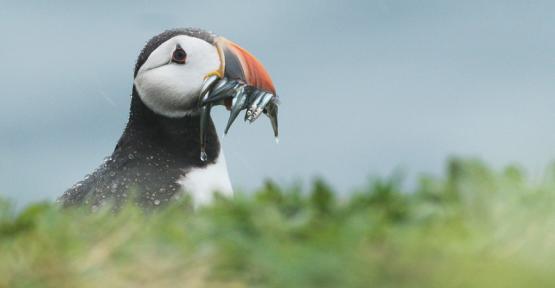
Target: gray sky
366 86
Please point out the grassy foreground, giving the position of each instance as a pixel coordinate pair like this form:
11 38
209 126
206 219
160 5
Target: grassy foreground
473 228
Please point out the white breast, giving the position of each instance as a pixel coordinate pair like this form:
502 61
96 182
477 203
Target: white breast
202 183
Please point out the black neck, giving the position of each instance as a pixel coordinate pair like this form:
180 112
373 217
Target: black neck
173 140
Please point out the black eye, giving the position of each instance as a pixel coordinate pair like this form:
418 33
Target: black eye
179 55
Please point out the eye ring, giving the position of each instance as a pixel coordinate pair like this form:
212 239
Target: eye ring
179 55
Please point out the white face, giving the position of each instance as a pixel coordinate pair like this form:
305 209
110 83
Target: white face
172 89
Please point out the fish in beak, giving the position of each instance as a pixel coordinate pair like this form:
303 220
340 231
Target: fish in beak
240 83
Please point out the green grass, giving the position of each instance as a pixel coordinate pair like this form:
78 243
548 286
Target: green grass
474 227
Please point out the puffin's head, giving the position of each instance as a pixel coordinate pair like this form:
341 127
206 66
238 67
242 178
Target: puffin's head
174 65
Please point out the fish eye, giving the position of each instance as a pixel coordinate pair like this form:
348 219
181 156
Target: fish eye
179 55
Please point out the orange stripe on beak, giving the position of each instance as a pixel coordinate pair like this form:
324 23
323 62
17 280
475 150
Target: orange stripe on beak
239 64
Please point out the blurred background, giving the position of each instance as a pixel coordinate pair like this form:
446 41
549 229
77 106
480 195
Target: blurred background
367 87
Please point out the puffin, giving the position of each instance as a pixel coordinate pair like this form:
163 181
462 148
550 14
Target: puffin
170 147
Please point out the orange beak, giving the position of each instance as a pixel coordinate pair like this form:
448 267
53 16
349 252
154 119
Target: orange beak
241 82
238 64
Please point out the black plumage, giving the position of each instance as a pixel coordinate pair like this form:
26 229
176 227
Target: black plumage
153 152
